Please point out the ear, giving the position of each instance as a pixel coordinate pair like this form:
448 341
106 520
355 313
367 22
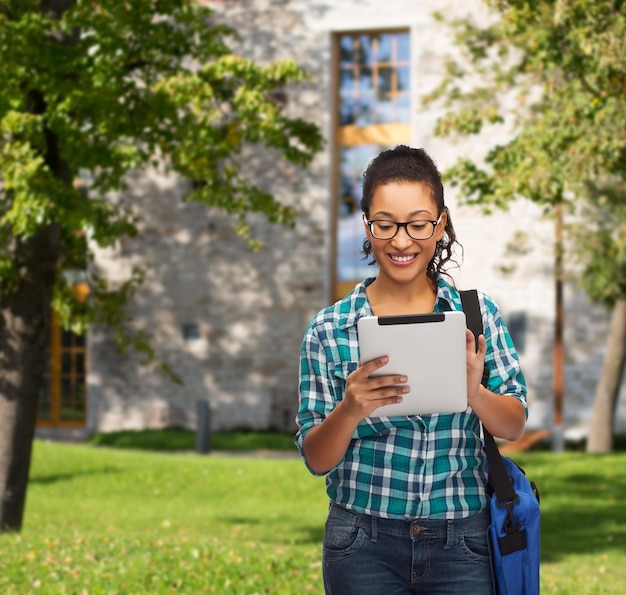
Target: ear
441 228
367 227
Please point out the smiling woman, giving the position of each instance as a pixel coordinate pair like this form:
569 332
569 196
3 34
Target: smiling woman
402 258
408 493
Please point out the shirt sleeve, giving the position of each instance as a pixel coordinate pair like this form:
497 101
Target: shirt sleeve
316 391
505 373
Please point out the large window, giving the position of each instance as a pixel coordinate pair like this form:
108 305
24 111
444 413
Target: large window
373 101
63 395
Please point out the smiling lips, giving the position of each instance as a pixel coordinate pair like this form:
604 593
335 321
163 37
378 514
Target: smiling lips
402 259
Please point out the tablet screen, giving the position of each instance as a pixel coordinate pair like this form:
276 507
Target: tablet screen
427 348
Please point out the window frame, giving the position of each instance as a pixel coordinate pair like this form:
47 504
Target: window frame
353 135
55 374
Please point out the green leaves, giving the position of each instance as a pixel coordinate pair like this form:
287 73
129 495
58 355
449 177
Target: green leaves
598 238
109 87
556 69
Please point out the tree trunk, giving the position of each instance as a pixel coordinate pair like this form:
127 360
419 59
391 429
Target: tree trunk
600 437
24 338
25 323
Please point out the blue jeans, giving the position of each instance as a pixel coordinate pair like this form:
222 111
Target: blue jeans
365 555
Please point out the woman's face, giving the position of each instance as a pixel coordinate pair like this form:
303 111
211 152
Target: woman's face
403 259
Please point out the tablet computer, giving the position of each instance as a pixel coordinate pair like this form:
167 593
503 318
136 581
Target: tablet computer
427 348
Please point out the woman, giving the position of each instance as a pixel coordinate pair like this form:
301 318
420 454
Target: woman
408 501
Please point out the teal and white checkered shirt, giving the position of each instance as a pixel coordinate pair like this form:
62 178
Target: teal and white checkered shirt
402 467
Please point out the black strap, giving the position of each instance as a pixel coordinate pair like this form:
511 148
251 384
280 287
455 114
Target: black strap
502 485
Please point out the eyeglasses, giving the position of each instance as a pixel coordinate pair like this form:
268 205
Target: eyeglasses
420 229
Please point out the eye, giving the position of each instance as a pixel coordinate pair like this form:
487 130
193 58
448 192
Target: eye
417 226
383 225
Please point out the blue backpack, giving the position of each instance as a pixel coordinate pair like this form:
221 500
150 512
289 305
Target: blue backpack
514 503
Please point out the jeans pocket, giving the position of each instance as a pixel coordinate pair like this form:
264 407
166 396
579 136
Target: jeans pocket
475 547
342 536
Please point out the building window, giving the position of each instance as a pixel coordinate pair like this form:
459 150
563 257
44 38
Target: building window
373 73
63 395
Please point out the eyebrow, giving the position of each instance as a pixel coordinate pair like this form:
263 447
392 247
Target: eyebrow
413 214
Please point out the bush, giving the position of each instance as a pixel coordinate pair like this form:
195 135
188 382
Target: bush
182 439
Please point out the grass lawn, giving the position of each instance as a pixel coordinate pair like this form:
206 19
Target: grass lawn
111 521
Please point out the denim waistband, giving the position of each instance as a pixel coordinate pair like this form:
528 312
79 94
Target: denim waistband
475 524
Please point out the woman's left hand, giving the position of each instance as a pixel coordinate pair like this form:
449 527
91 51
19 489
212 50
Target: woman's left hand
503 415
475 363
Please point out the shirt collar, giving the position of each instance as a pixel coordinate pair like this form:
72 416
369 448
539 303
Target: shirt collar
355 305
448 296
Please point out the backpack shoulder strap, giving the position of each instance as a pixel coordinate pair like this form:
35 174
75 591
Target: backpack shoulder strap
471 307
499 476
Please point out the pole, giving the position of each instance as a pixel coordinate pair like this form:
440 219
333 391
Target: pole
559 357
203 430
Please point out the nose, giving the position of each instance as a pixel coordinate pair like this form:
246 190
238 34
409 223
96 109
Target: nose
402 237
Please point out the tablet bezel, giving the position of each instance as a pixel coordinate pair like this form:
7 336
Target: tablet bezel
427 348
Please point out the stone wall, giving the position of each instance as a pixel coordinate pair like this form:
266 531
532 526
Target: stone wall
230 321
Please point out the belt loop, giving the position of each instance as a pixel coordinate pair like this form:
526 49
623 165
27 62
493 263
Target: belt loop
374 536
449 534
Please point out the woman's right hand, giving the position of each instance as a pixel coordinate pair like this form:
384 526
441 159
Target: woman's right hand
325 444
364 393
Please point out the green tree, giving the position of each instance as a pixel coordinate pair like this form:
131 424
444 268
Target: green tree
109 87
561 64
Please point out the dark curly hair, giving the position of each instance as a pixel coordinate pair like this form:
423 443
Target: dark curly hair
406 164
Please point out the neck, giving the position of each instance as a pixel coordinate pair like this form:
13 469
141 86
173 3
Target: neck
414 298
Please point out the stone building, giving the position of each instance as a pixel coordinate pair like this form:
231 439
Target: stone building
230 321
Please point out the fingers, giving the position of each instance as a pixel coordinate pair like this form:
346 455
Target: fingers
478 346
476 350
366 392
470 341
368 368
380 382
482 346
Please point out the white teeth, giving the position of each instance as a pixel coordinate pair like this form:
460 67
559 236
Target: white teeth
402 258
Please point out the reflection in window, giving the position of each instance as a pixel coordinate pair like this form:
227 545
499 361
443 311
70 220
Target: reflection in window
374 79
350 230
73 394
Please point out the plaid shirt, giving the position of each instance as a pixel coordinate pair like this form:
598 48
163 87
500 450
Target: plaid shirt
410 466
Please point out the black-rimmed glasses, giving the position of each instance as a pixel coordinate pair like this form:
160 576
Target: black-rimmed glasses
419 229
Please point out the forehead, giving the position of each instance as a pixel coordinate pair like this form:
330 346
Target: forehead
402 199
